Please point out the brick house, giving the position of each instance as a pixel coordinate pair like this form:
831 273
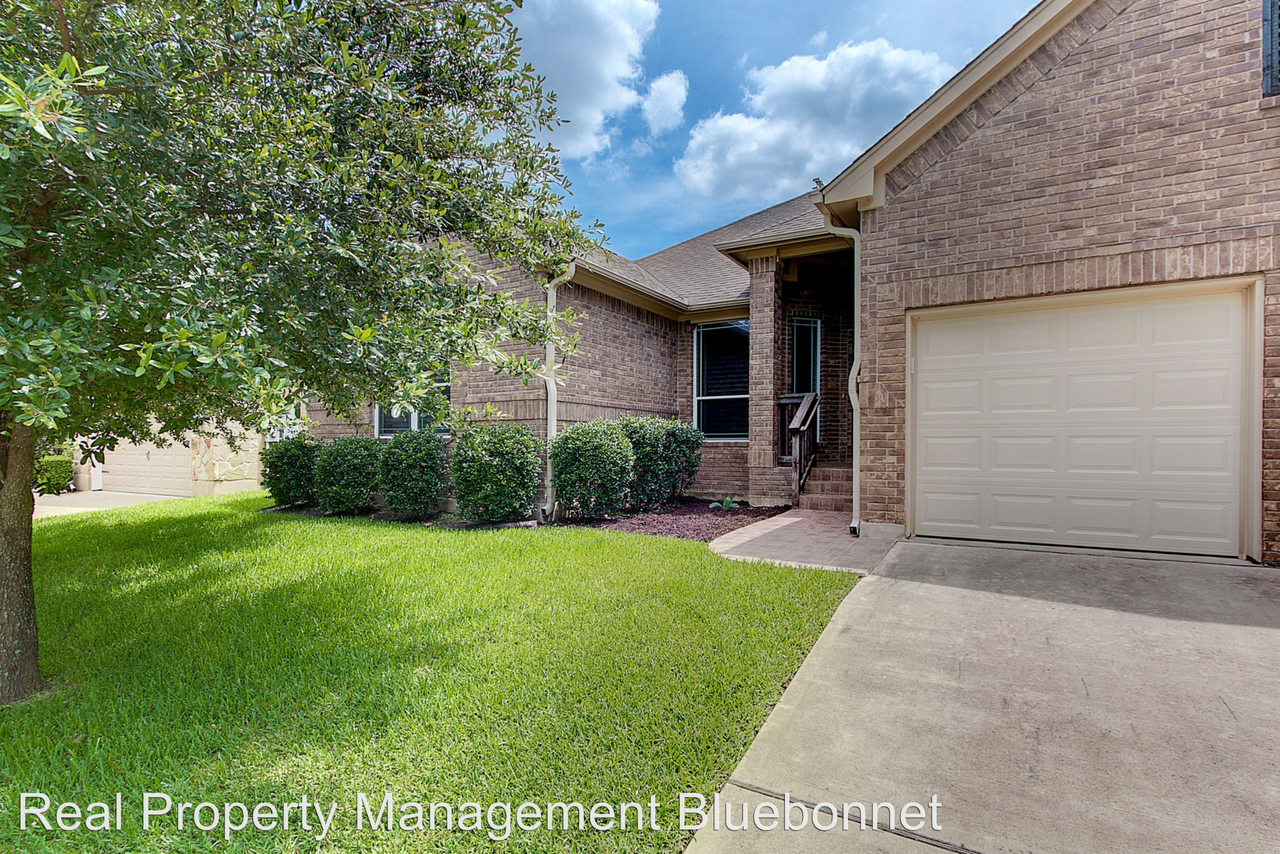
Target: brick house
678 334
1043 308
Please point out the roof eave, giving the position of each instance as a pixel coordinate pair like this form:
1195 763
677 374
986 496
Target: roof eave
600 278
792 242
861 186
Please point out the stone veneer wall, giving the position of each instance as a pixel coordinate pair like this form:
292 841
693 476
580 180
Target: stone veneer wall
219 469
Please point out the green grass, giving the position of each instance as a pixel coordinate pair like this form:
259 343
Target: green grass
216 653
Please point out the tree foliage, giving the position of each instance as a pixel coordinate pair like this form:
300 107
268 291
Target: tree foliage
210 209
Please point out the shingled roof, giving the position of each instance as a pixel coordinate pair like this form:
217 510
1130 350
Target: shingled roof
695 274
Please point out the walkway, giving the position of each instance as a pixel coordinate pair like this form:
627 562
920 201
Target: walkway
1053 703
81 502
808 538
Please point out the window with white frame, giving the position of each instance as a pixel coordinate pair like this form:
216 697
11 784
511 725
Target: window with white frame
387 424
806 345
806 358
1270 48
721 382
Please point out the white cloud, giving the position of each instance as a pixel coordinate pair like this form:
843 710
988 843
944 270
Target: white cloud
806 118
819 39
663 107
590 52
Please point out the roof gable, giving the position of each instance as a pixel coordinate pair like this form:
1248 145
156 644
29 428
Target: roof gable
1024 54
694 274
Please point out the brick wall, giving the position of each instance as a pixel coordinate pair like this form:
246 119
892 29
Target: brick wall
626 365
627 360
768 483
1133 148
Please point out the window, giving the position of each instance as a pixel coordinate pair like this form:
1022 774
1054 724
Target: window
1271 47
387 424
806 344
806 357
721 358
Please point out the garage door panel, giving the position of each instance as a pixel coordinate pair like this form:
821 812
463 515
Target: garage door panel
1103 455
148 468
1196 321
1214 388
1100 329
1106 519
1090 425
1037 335
1021 395
952 511
1030 454
1012 512
1192 523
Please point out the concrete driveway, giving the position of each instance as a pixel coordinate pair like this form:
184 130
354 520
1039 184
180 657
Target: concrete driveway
83 502
1052 703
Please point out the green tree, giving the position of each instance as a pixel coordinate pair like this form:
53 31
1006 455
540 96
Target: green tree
209 210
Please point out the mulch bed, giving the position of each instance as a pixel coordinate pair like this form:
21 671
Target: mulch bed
692 519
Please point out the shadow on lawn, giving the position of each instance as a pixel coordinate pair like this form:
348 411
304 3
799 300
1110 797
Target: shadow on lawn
183 644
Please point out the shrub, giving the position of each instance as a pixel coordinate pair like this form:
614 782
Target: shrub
668 453
592 465
347 474
52 474
412 472
495 470
289 469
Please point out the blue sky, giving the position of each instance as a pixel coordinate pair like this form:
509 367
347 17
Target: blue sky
687 114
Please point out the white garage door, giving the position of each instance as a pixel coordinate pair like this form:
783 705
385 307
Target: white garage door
1113 424
149 469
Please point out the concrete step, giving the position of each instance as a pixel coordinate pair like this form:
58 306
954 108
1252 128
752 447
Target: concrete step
828 488
838 503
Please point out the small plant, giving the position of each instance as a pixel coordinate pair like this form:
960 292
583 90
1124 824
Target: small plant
495 471
412 473
52 474
727 504
289 469
347 474
591 465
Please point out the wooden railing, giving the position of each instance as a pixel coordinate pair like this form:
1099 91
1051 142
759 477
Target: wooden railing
798 437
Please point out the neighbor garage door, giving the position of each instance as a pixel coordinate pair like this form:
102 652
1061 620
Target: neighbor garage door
1080 422
147 468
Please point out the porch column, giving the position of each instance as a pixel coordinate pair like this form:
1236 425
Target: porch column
768 484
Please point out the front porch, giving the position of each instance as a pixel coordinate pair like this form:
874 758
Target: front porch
801 420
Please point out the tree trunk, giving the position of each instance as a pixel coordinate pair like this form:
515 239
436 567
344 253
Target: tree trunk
19 654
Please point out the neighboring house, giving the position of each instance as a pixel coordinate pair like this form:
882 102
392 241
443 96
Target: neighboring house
206 466
1057 283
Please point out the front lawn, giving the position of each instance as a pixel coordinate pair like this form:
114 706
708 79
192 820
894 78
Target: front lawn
215 653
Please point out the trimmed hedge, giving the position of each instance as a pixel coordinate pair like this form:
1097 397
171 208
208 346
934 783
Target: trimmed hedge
592 465
289 469
668 453
495 471
412 472
52 474
347 474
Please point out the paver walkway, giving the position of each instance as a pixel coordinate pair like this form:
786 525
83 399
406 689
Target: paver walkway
809 538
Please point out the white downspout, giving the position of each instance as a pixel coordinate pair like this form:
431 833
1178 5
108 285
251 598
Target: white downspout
552 408
855 237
